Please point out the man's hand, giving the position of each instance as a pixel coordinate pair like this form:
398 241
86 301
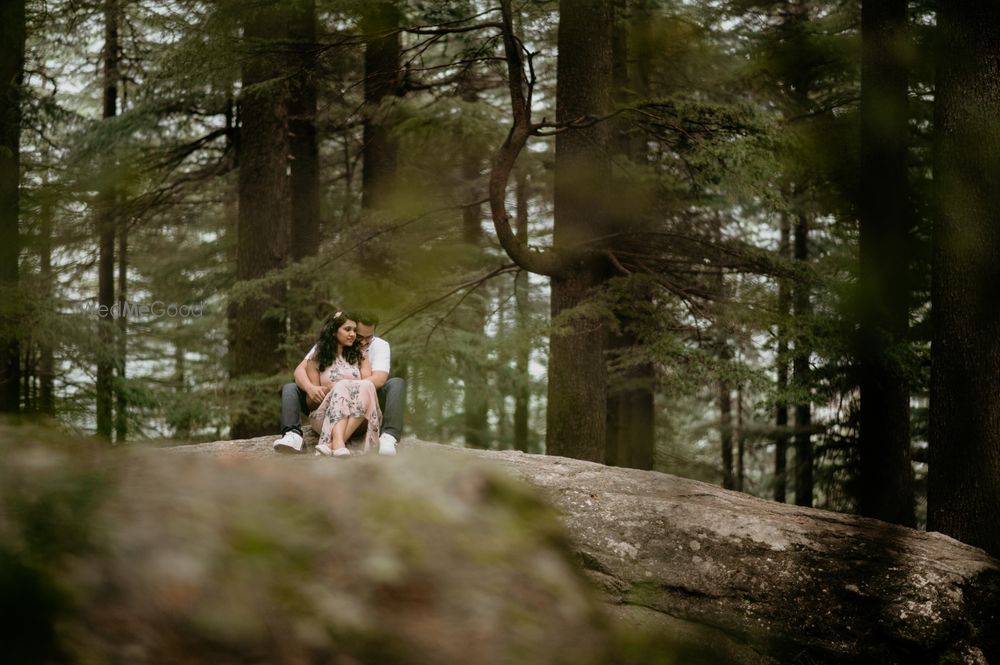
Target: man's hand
316 394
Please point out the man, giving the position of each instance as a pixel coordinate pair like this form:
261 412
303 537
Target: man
391 393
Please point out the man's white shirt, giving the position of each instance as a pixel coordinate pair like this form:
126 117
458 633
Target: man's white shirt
379 354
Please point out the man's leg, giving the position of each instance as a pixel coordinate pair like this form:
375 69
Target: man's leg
292 405
392 398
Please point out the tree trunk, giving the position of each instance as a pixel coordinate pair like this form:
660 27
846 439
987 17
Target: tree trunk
106 222
800 374
631 422
886 471
304 148
46 352
12 38
577 392
726 433
304 154
781 436
964 466
522 389
741 441
264 214
379 22
121 343
472 318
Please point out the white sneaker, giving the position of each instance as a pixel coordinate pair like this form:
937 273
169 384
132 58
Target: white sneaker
291 442
387 444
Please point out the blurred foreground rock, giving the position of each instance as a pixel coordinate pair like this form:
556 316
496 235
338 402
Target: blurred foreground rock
111 556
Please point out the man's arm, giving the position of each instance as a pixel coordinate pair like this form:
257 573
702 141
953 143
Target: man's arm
379 379
307 379
302 377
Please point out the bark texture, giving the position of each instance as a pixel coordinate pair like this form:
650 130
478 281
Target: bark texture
578 383
304 147
886 471
964 467
263 226
12 38
380 23
106 226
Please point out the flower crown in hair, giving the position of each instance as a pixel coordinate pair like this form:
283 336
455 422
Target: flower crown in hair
337 314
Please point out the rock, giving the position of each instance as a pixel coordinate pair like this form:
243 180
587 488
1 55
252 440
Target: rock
150 557
732 578
226 552
792 584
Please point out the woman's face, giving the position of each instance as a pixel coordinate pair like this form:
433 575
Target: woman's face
347 333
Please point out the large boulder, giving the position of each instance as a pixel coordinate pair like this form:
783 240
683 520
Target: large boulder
152 557
733 578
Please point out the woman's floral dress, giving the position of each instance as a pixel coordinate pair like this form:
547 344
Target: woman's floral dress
348 397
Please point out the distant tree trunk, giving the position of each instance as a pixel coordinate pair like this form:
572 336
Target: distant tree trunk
886 471
726 433
379 22
964 466
12 38
801 374
264 212
578 382
27 373
741 441
522 389
182 426
46 353
631 421
106 222
781 360
121 347
304 148
473 318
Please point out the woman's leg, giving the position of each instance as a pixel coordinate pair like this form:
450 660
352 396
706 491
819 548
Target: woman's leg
353 423
338 434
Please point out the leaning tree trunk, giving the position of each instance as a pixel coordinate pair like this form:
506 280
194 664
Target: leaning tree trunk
577 372
264 212
886 471
12 37
964 467
106 350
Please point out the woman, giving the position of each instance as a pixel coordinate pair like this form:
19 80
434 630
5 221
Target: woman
338 362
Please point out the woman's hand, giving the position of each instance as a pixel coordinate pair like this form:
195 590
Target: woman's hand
316 394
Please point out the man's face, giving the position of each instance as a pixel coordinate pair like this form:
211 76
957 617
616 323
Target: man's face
365 334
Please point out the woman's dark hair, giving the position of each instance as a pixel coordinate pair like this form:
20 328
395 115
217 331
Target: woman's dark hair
326 343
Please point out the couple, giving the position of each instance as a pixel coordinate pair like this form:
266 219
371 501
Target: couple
339 384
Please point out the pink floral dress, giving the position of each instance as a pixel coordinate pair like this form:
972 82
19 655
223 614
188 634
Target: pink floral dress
348 397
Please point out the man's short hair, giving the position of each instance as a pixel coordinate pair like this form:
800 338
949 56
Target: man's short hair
367 317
